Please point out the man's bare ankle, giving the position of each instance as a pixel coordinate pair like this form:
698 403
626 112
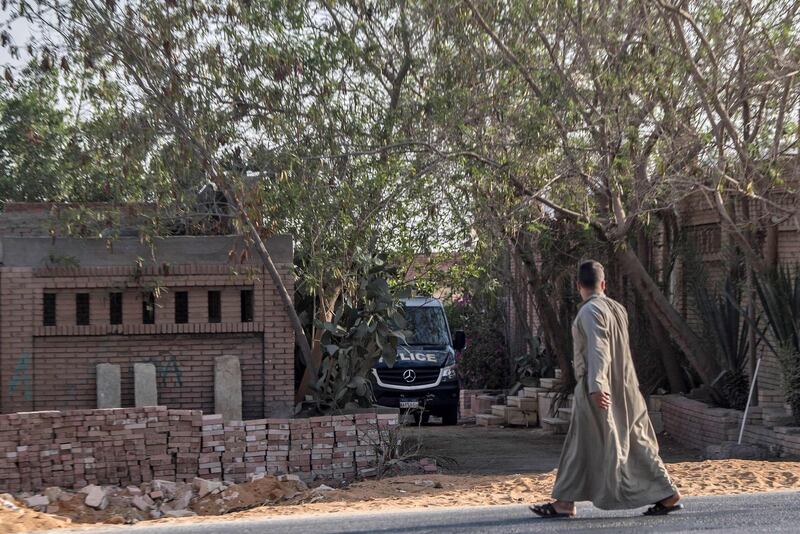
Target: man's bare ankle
565 506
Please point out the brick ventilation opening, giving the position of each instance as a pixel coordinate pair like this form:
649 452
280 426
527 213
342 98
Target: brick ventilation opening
246 298
214 307
82 311
181 307
115 305
149 308
49 309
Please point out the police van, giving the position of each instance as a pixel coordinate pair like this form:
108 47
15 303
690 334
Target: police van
423 379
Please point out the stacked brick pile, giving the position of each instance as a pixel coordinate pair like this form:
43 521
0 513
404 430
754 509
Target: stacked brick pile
232 456
322 449
279 436
75 448
255 447
343 462
213 440
368 437
184 444
300 443
134 445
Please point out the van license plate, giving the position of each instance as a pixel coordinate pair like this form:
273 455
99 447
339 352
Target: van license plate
409 403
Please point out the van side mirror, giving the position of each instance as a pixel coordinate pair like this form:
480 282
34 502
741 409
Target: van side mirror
459 340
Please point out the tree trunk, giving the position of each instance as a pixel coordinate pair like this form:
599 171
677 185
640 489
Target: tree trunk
556 333
316 350
662 311
672 366
669 360
771 247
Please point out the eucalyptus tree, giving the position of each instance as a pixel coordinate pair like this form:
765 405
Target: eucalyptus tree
743 60
57 144
602 114
297 116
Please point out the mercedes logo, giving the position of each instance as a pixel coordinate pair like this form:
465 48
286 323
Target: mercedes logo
409 375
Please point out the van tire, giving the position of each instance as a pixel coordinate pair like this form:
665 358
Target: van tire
450 417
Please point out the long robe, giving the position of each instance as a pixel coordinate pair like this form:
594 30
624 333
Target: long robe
610 457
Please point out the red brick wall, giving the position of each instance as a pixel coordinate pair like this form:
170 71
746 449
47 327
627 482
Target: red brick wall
53 367
64 368
698 425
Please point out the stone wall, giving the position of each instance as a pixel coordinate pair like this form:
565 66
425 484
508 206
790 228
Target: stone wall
699 425
134 445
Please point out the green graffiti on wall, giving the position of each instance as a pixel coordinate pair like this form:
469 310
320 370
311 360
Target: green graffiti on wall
167 369
22 378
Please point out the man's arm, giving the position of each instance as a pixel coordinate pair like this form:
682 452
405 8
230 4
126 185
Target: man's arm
598 355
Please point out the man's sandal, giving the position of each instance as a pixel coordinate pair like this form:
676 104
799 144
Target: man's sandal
548 511
660 509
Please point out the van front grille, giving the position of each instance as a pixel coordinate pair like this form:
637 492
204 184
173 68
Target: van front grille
400 377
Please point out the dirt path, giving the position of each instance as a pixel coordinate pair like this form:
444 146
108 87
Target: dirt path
486 450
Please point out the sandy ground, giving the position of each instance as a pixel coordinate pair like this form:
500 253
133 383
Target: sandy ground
713 477
535 477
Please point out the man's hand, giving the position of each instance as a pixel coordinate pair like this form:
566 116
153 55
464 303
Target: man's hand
601 399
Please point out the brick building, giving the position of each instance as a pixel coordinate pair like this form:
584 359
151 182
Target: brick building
702 228
69 304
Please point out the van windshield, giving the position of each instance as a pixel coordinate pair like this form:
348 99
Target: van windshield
427 326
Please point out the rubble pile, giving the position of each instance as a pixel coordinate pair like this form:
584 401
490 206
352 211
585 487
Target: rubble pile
159 498
164 498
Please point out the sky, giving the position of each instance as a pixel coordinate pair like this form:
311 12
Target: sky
21 32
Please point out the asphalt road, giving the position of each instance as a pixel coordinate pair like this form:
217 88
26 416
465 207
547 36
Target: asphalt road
763 512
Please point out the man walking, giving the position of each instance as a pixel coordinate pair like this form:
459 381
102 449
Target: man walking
610 455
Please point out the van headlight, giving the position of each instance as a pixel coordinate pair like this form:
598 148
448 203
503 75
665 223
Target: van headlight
449 373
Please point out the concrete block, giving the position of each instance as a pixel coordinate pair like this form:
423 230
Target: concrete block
549 383
501 410
36 501
520 418
483 404
203 487
143 503
109 391
489 420
228 388
96 497
555 425
546 404
531 392
53 493
145 389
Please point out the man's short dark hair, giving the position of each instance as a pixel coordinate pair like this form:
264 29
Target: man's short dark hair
590 274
